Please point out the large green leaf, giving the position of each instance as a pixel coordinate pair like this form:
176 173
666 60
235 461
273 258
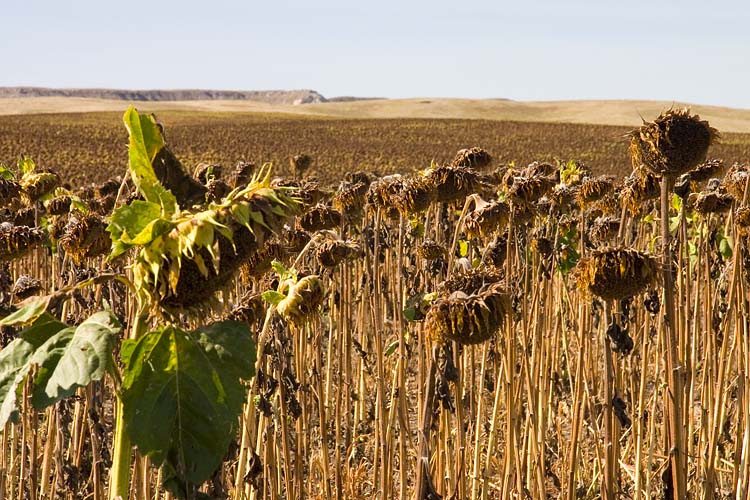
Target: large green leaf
182 395
15 362
145 143
74 358
30 310
136 224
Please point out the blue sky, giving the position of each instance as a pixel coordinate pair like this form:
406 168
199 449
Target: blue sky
526 50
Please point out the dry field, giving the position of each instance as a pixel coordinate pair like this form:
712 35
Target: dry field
89 147
473 330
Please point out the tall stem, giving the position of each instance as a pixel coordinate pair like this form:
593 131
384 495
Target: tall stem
121 448
671 340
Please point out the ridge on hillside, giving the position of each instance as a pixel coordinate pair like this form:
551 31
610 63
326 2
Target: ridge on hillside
303 96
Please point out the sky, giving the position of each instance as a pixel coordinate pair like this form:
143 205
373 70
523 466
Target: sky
688 51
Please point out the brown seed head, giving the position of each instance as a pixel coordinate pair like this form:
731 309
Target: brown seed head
472 157
530 189
300 164
735 180
615 273
487 219
707 170
17 241
468 319
710 202
302 300
350 199
34 186
415 196
429 250
85 237
242 174
454 183
9 191
59 205
332 253
471 282
604 230
674 143
26 286
320 217
594 189
639 187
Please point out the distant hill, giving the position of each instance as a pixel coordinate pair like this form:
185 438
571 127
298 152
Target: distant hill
629 113
267 96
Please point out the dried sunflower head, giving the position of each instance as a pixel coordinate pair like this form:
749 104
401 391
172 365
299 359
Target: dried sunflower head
594 189
735 180
26 286
250 310
9 190
564 197
742 218
472 157
320 217
216 190
17 241
472 281
487 218
204 172
302 298
415 196
603 230
107 188
674 143
706 170
201 251
36 185
496 252
453 183
543 246
615 273
468 319
350 199
259 262
639 187
530 189
242 174
59 205
710 202
429 250
85 237
540 169
331 253
382 192
300 164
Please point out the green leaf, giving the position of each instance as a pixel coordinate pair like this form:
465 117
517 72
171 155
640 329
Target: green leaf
74 358
182 395
273 297
417 306
676 202
391 348
7 173
463 248
15 362
136 224
26 165
28 313
145 142
725 247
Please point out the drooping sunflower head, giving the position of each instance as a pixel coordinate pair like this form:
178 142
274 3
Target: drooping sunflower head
615 273
674 143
